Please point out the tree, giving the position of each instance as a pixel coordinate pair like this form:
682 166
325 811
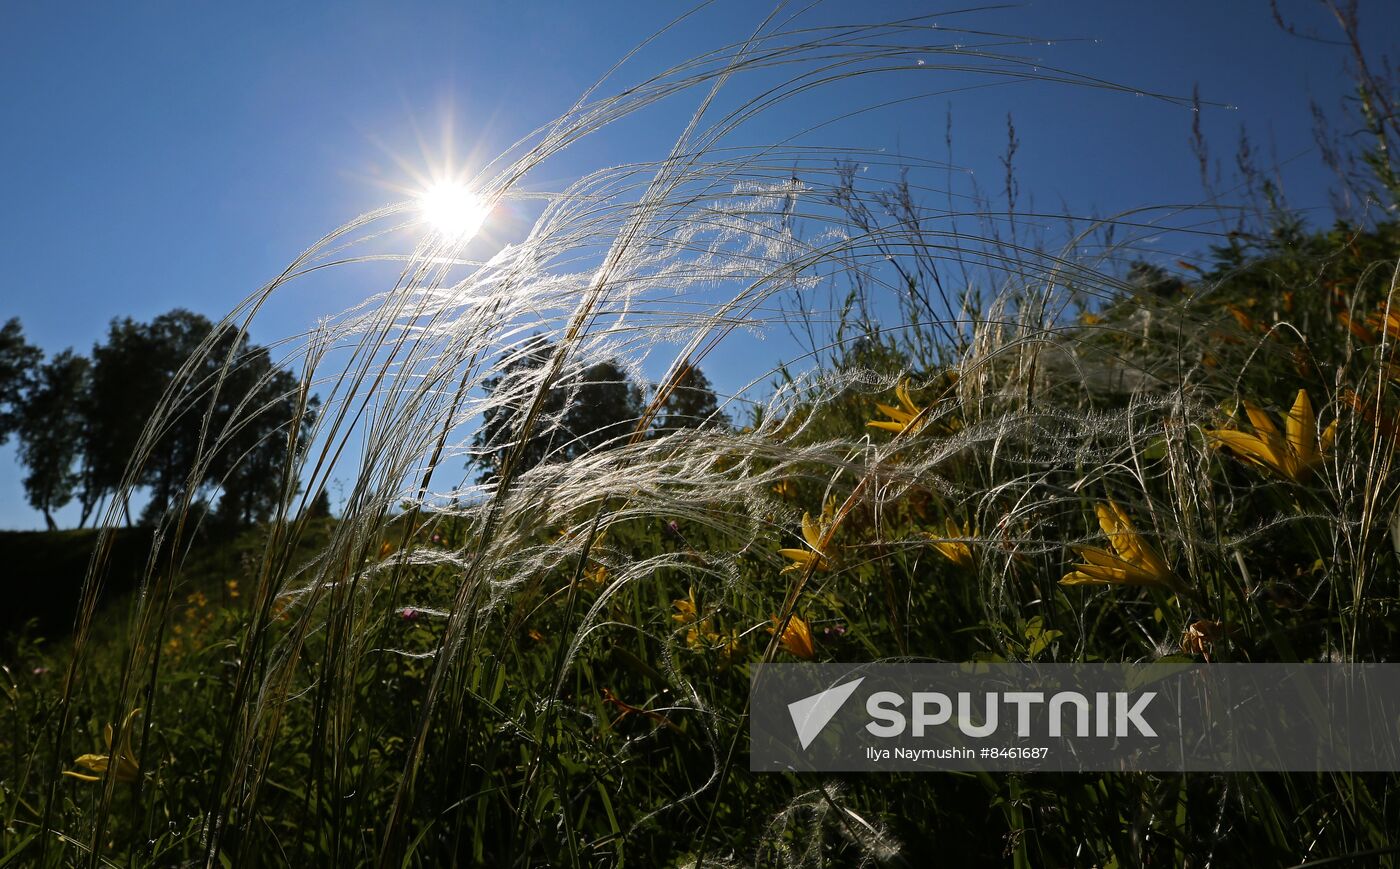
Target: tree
691 404
582 413
50 432
1147 277
604 409
18 359
320 506
246 419
249 469
130 374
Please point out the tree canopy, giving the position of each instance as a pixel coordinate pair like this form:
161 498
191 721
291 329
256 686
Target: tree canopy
228 409
18 359
593 409
51 431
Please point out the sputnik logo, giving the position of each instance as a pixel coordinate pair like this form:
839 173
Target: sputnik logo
810 715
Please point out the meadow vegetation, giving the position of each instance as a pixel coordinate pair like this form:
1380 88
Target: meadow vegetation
996 449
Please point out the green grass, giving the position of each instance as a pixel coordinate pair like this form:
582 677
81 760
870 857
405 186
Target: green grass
506 674
585 718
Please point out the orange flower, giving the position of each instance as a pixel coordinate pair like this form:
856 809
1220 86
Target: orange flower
903 418
1388 426
595 575
796 638
122 761
954 546
701 632
1201 635
627 709
1388 320
1292 454
1360 331
1131 562
1242 318
812 531
686 608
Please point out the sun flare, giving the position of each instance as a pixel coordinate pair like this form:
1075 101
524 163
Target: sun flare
452 210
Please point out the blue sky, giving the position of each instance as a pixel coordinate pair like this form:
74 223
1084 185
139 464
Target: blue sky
179 154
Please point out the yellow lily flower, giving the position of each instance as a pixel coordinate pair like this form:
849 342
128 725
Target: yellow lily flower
901 419
1132 561
595 575
955 550
812 530
127 767
797 637
686 608
1292 454
1388 320
687 613
729 645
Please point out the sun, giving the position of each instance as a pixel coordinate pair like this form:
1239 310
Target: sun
452 210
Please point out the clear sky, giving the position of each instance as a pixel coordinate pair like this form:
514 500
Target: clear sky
180 154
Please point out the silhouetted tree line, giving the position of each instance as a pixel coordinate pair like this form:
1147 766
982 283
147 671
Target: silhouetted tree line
79 420
594 409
